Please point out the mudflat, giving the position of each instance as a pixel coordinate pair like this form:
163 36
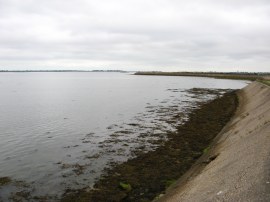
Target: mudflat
148 175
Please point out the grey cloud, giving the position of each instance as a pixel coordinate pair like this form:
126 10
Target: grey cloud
147 35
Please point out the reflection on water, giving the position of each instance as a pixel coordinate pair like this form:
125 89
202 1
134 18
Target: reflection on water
59 130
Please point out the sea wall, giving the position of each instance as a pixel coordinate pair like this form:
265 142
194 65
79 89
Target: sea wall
237 165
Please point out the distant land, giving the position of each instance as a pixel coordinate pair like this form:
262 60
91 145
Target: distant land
121 71
252 76
219 75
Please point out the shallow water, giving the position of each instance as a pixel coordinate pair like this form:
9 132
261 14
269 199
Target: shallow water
60 130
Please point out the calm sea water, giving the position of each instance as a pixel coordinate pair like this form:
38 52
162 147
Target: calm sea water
59 130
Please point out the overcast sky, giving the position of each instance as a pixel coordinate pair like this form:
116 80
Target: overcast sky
168 35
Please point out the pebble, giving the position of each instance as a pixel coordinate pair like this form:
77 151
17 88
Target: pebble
220 192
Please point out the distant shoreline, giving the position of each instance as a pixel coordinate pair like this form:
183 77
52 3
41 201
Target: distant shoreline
252 76
25 71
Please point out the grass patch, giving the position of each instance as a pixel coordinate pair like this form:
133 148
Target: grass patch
267 82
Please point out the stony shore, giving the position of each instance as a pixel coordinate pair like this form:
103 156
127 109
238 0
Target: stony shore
236 167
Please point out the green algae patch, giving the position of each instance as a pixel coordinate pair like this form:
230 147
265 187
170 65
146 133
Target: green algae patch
124 186
169 183
206 150
151 173
4 180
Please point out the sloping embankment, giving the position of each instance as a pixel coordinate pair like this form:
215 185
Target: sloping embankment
237 167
